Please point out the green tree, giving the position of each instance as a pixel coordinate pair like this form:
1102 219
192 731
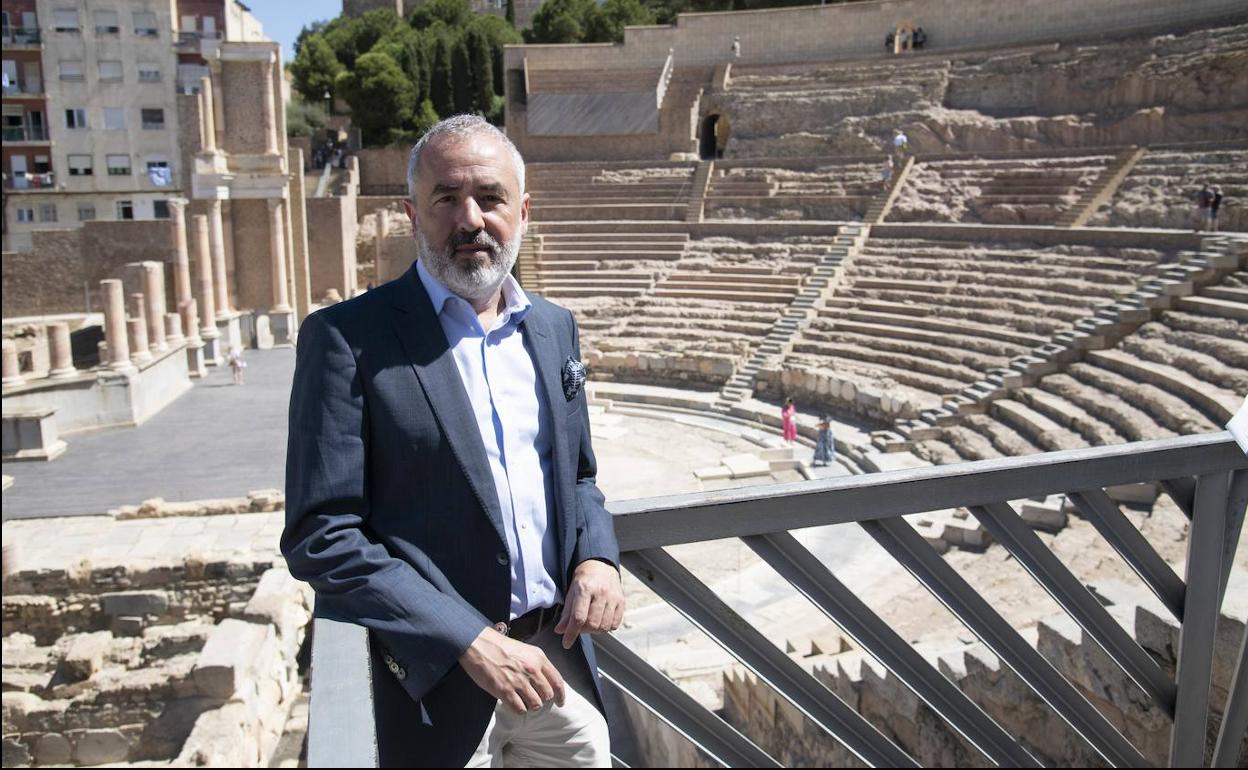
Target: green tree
351 37
481 65
442 86
315 69
511 13
305 118
380 95
607 24
561 21
499 33
461 76
453 13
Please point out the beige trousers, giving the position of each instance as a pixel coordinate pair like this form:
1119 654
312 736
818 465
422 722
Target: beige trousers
572 735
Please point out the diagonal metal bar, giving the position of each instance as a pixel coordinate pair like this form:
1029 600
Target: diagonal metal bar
1183 491
709 733
1135 550
681 589
809 576
1237 502
912 552
1009 529
1204 572
1235 718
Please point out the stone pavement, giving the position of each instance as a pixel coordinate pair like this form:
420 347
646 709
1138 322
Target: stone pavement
218 440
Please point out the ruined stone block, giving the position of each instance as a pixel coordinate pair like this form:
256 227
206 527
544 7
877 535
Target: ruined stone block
224 662
123 603
129 625
15 753
96 747
52 749
85 656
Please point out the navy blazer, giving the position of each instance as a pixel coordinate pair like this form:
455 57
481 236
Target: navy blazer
392 514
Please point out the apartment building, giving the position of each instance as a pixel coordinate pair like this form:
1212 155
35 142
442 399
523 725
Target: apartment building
91 125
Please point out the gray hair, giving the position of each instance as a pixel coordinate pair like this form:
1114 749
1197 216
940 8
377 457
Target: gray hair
462 127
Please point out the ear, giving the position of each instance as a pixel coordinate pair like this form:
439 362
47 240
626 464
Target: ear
411 213
524 214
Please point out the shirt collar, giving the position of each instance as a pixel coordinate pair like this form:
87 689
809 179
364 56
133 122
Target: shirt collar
516 303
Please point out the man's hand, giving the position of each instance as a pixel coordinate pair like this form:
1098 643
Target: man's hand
516 673
595 602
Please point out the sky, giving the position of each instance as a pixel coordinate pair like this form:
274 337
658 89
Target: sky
283 19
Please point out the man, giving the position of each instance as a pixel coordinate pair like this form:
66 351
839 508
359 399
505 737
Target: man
441 484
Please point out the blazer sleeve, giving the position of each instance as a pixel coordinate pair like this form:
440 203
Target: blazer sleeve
595 531
326 540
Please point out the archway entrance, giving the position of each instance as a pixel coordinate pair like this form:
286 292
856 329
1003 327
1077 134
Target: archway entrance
714 137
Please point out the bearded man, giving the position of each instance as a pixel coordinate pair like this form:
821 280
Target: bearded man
440 483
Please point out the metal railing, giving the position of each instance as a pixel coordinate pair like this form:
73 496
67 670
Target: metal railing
21 36
44 181
1206 475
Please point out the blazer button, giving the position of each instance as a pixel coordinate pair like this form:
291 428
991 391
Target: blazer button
503 560
401 674
394 667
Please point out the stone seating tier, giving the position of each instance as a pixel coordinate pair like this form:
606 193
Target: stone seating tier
1161 190
551 81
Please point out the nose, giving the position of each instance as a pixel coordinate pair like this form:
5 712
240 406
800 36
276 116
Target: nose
468 217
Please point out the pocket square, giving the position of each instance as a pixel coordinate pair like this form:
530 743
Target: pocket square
573 377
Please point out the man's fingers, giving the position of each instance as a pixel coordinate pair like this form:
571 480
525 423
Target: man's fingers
618 620
540 680
575 613
556 681
514 702
532 701
597 610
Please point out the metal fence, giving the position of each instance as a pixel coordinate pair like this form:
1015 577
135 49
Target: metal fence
1206 475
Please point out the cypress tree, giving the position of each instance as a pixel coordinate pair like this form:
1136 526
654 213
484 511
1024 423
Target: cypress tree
462 76
481 57
511 12
442 88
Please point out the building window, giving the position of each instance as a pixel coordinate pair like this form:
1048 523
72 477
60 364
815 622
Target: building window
43 164
160 209
125 210
71 70
65 20
149 73
115 117
145 24
80 165
158 172
107 23
47 212
25 215
86 212
118 165
110 71
75 117
153 118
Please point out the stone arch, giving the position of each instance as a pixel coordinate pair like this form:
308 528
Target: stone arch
903 36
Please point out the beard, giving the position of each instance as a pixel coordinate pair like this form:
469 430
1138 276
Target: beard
470 278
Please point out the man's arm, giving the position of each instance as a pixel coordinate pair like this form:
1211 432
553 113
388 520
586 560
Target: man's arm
325 541
595 598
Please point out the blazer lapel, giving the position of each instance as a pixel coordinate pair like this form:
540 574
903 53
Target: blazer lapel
544 349
422 337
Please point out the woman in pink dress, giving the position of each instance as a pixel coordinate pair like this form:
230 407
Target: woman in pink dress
789 416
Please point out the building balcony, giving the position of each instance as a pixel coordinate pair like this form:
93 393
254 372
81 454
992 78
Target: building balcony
188 42
1205 475
21 90
26 134
16 38
31 182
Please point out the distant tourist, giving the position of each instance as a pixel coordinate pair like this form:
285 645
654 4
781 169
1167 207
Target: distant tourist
888 41
1214 205
1204 208
886 173
788 416
901 143
237 364
825 449
920 37
736 47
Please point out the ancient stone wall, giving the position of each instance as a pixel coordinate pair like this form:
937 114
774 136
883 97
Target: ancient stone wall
244 128
383 170
253 268
331 245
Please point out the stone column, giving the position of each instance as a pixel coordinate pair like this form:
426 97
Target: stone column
154 291
269 111
277 256
173 330
137 326
12 369
216 245
181 258
207 305
207 119
115 324
61 351
194 345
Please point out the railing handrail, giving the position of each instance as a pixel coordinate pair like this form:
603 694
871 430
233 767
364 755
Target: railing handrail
341 723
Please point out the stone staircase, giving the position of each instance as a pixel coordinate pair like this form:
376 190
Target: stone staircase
821 283
1102 190
697 196
883 202
527 271
1172 285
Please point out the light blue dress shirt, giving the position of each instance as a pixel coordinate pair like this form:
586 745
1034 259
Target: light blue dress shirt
514 420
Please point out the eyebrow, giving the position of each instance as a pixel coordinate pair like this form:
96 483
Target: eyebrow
490 187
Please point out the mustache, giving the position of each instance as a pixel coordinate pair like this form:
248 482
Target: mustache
479 238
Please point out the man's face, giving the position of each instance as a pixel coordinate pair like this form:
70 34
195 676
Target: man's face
469 215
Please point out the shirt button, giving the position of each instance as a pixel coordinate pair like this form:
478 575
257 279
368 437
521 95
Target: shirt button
502 559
